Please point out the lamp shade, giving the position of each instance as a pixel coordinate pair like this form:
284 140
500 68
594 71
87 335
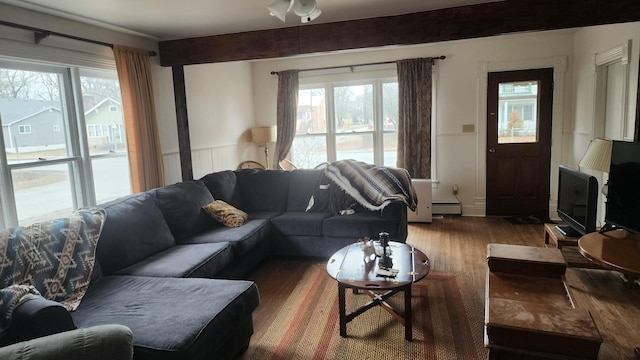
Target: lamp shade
304 8
263 134
598 155
279 8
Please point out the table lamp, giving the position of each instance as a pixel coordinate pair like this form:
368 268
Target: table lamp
598 157
263 135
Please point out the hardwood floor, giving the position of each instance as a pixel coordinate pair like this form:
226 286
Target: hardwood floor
459 244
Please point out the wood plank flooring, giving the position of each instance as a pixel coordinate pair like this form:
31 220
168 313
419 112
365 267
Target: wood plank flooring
459 244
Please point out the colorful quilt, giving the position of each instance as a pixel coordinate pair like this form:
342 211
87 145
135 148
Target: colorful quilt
56 257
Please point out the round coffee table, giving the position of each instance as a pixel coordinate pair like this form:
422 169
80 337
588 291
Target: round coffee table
617 250
350 269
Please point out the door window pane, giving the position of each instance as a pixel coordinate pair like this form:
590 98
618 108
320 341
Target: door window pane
517 112
106 134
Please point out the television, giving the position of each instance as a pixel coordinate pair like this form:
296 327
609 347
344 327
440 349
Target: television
623 187
577 202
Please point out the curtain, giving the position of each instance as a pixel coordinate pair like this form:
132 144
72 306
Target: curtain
143 142
414 116
286 113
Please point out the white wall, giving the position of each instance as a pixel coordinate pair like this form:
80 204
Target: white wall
461 96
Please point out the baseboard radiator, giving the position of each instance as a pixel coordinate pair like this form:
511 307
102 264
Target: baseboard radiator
452 207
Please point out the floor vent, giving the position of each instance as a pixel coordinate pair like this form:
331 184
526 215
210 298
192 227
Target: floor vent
446 208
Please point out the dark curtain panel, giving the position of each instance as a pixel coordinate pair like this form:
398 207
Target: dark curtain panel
414 116
286 114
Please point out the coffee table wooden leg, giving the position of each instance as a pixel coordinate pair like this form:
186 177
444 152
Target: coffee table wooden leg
408 326
343 310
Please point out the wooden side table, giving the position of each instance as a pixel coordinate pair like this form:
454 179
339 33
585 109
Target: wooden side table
530 312
569 247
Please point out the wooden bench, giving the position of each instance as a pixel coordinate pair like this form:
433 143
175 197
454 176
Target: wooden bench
529 310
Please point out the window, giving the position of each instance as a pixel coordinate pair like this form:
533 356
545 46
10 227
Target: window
24 129
63 167
347 120
517 112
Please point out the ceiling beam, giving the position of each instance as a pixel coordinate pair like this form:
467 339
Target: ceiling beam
464 22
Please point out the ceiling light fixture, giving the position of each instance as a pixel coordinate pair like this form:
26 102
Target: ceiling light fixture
306 9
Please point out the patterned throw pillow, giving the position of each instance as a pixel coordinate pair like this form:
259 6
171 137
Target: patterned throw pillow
226 214
55 256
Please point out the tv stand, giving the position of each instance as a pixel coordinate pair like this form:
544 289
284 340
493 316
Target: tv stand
569 247
568 231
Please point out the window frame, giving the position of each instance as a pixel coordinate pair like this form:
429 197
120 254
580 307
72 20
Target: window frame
78 157
328 82
309 78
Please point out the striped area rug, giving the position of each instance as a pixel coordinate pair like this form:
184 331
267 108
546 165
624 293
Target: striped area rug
447 323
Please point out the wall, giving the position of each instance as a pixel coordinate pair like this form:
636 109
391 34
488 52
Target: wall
460 99
589 43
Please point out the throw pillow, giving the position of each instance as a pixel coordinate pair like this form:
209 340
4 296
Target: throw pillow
226 214
55 256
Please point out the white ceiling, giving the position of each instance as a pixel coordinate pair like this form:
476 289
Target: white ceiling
176 19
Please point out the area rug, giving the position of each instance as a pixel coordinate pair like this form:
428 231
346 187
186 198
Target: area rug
447 323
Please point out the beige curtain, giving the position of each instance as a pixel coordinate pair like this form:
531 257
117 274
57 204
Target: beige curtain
414 116
287 110
143 142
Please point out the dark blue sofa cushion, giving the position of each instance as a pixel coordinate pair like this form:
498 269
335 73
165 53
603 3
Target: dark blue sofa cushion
242 239
181 204
263 190
192 260
223 186
134 230
301 186
299 223
171 318
360 225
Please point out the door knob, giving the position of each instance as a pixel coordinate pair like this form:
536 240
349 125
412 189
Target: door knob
492 150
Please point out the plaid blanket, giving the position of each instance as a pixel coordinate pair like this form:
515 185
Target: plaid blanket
374 187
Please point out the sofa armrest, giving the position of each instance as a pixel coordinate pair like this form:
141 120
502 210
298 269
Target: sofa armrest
36 318
113 342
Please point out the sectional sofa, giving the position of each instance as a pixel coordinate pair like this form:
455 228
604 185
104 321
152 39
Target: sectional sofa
174 275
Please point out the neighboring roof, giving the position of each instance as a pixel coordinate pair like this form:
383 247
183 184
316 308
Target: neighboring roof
98 105
14 110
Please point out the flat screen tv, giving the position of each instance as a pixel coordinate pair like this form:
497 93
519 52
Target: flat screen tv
623 187
577 202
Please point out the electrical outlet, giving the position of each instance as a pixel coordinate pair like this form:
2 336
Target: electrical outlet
454 189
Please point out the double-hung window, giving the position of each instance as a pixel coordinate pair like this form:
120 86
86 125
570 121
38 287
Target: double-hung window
62 147
352 116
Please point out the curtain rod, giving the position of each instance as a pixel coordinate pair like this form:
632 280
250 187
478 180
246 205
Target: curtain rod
40 34
442 57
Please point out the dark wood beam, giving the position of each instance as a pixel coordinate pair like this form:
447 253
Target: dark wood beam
184 142
464 22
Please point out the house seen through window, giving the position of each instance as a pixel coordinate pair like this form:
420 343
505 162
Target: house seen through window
60 150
